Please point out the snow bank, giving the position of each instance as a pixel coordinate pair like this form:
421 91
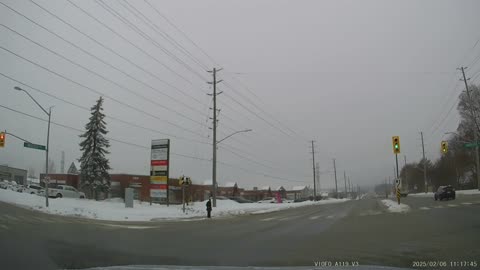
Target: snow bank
114 209
421 194
394 207
468 192
462 192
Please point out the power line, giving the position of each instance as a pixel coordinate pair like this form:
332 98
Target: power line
108 116
225 83
105 47
148 148
110 81
255 105
161 33
110 65
202 124
255 161
149 55
132 26
99 93
258 116
183 33
244 86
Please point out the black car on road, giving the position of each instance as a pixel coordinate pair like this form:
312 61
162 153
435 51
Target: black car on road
445 192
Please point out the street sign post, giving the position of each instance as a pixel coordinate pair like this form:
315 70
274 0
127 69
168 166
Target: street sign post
184 182
34 146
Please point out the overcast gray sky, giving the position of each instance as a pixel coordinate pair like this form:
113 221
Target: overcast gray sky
347 74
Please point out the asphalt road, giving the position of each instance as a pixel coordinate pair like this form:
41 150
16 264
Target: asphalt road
359 231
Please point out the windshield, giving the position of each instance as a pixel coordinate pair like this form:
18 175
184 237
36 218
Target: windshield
205 133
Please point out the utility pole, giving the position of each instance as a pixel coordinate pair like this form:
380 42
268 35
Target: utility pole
335 172
317 167
405 166
349 185
475 132
345 180
424 164
314 173
62 162
214 130
386 188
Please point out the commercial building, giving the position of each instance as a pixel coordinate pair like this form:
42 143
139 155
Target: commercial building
13 174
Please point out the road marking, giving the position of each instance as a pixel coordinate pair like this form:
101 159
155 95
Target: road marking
452 205
424 208
267 219
287 218
314 217
330 216
12 217
3 226
44 220
439 206
127 226
467 203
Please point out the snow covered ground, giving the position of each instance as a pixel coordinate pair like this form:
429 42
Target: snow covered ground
461 192
114 209
394 207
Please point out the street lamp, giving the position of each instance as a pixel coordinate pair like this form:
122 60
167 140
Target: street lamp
214 164
477 159
49 113
240 131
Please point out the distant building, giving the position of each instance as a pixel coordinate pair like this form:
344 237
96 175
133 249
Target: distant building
13 174
298 192
74 168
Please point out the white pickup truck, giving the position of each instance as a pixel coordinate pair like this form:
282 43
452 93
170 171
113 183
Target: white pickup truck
62 191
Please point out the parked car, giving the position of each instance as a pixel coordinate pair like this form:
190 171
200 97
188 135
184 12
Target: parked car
268 200
32 189
445 192
301 200
61 191
287 201
4 184
240 200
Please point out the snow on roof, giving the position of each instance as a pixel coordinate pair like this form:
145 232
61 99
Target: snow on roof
230 184
298 188
207 182
264 188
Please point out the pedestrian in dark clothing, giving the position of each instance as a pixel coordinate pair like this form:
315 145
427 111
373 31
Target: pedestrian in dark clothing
209 208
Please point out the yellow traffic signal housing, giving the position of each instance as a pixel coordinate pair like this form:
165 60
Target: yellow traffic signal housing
396 144
2 139
444 147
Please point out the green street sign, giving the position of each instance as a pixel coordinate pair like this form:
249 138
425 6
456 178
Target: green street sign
471 145
34 146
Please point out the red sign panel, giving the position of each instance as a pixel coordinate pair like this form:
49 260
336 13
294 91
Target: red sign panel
159 163
158 186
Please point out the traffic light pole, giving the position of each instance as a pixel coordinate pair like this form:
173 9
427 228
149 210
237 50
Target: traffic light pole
396 161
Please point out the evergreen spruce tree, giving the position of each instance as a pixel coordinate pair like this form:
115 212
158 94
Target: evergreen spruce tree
94 165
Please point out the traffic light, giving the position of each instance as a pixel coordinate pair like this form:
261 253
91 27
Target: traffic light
2 139
396 144
444 147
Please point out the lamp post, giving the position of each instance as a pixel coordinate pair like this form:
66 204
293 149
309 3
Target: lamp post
214 161
49 113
